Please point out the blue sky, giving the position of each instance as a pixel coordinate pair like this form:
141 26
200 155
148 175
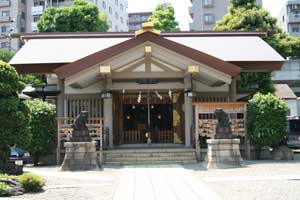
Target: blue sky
181 8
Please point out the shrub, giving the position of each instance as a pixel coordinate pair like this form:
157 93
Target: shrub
267 123
14 115
42 128
5 190
31 182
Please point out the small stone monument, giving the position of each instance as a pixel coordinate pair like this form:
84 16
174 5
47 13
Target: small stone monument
224 150
81 150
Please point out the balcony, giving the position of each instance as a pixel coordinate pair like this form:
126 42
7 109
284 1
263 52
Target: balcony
65 3
4 18
4 3
37 10
294 18
191 11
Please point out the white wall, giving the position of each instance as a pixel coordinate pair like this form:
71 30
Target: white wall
293 106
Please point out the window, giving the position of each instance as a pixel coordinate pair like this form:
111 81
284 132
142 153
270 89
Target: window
122 20
23 15
117 2
209 18
104 4
116 15
208 3
283 18
4 45
5 13
110 10
4 29
121 7
116 28
295 29
110 23
36 18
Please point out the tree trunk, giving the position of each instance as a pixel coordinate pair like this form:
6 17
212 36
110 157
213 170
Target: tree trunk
36 160
257 153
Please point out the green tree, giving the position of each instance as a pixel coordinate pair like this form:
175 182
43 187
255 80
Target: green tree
6 55
245 15
15 115
81 16
42 128
267 124
163 18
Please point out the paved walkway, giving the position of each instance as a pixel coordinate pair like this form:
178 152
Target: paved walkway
161 182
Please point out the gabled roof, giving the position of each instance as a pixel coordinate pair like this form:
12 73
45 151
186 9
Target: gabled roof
45 52
100 56
283 91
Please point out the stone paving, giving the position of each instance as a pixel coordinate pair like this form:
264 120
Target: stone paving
259 180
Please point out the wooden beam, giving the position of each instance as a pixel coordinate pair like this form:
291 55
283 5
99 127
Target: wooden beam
232 90
148 52
141 75
167 63
134 66
130 63
162 66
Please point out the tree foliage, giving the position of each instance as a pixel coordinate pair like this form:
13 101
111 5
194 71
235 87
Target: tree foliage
15 115
6 55
163 18
81 16
267 124
42 127
245 15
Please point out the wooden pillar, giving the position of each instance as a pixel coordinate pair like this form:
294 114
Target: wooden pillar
60 98
59 113
196 135
233 90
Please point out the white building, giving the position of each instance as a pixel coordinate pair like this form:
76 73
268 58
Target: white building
289 18
205 13
116 11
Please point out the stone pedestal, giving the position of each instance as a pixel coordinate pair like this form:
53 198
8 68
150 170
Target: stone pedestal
80 156
223 153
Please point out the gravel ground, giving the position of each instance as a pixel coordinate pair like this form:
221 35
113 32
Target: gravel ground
90 185
259 180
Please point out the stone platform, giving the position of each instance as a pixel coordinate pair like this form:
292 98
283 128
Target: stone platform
223 153
80 156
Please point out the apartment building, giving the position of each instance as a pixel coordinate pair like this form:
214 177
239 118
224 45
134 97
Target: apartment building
12 19
289 18
135 20
205 13
116 11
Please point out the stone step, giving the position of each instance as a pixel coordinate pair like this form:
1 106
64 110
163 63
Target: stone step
151 162
169 154
150 159
151 155
150 150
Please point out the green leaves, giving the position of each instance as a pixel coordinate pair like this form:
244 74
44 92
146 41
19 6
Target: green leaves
15 115
267 123
163 18
81 16
42 127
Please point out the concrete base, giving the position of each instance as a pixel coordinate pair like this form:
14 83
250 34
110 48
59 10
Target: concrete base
80 156
223 153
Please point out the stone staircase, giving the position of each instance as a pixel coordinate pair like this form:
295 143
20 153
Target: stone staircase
150 156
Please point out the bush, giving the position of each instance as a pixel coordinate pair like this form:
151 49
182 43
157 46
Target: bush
5 190
267 122
31 182
14 115
42 128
